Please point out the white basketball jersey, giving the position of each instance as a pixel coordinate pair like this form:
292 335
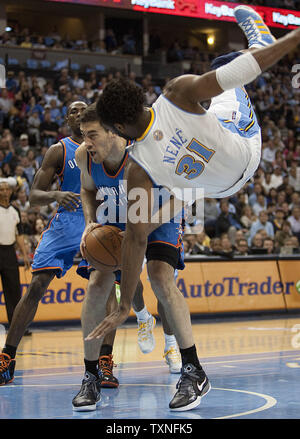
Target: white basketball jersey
217 151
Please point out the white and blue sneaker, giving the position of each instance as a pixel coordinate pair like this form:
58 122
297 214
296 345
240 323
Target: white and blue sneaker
256 31
146 340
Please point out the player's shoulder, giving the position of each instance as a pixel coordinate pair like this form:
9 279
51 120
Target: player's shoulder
136 175
81 155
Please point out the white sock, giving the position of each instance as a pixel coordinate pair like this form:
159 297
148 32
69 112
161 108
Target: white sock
170 340
143 314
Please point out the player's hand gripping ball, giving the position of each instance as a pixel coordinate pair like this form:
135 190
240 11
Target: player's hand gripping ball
103 248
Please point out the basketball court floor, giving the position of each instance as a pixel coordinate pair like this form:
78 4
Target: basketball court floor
253 365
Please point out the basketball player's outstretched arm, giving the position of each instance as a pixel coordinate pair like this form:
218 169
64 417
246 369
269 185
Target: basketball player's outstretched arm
40 195
188 90
133 250
87 193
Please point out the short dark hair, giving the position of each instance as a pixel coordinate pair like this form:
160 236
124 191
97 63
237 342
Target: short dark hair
89 114
120 102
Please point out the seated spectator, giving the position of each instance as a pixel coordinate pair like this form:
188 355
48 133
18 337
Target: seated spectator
268 244
150 96
201 246
191 239
227 247
38 227
277 177
22 202
260 204
262 223
256 242
294 175
23 144
29 170
215 247
257 190
272 196
25 223
226 222
266 183
34 123
21 179
48 130
268 154
295 200
241 247
278 219
294 221
27 44
248 217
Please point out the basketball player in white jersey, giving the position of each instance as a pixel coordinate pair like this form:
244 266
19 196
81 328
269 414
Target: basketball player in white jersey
180 145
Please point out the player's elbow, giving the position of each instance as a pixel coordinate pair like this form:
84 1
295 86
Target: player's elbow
33 201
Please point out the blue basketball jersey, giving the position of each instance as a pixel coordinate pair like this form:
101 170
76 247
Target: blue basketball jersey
70 173
112 191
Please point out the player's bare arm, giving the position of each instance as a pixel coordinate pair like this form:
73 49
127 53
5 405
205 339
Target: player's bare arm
188 90
87 193
133 250
40 194
168 210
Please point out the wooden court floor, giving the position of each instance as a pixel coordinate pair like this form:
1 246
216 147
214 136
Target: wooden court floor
253 366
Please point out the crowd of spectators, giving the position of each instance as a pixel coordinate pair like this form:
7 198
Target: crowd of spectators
112 43
264 217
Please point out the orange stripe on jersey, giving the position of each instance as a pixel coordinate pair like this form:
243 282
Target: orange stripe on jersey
46 268
65 154
122 166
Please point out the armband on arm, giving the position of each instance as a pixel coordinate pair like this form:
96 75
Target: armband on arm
241 71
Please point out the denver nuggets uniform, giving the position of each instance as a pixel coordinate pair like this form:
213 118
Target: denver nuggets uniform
165 243
218 150
60 240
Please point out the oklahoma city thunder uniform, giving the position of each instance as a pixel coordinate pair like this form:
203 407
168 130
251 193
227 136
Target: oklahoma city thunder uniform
112 189
218 150
60 240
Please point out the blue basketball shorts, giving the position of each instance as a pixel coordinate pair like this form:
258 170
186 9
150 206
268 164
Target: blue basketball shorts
59 243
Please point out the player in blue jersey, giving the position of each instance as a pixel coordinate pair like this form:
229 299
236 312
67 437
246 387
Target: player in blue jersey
60 240
59 243
102 159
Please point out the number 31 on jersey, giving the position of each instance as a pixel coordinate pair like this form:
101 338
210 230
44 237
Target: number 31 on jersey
188 165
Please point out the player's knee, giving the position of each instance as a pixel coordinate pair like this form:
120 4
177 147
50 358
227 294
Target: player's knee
99 283
161 282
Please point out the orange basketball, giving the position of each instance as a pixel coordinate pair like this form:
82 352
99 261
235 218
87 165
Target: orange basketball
103 248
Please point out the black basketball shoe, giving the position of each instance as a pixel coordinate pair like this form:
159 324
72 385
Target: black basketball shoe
89 395
7 369
192 386
107 378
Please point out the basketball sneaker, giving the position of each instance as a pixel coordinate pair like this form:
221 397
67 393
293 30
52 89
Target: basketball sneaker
192 386
256 31
173 359
89 395
106 365
7 369
146 340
